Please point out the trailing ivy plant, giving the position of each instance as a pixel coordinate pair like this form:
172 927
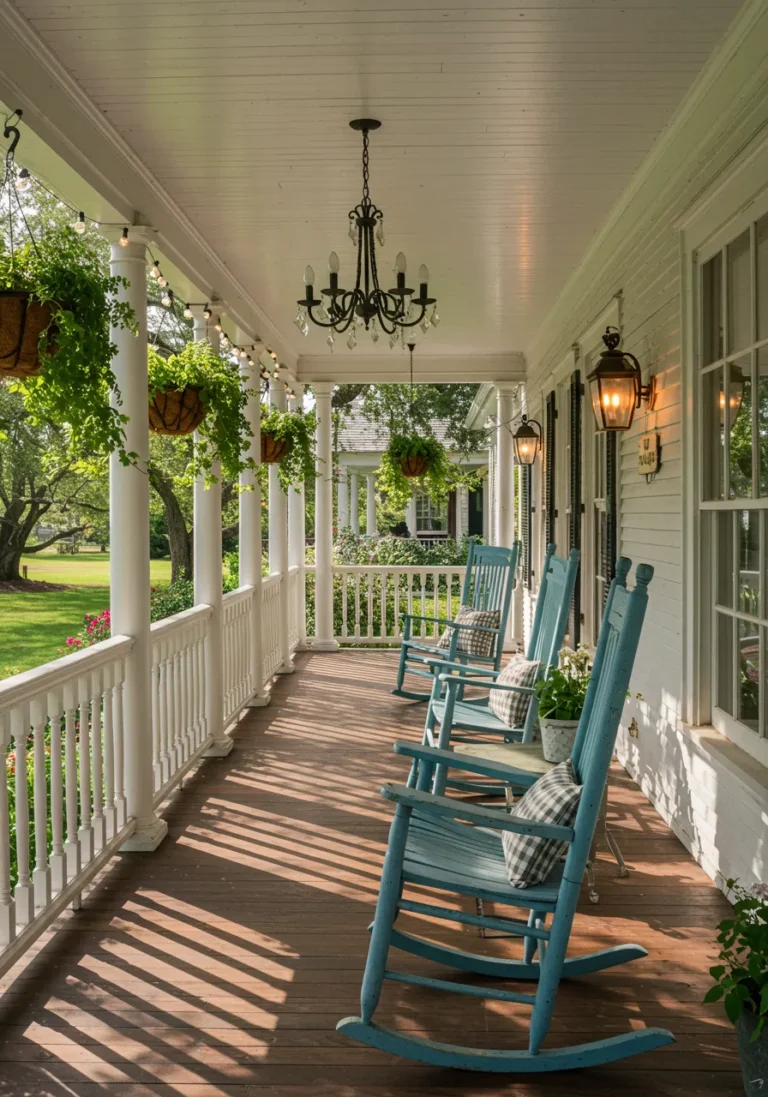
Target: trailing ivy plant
441 475
297 429
224 433
73 388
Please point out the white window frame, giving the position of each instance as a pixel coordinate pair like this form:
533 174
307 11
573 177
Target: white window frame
716 219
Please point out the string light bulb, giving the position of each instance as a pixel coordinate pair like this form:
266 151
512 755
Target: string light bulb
155 270
162 280
207 312
218 325
272 354
23 180
124 241
225 341
79 225
187 312
167 298
243 353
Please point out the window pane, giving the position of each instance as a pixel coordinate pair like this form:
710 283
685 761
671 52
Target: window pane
762 416
724 583
762 277
740 419
711 310
749 674
724 663
749 522
713 409
739 298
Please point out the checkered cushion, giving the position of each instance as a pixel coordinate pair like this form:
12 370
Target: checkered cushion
554 798
508 705
473 643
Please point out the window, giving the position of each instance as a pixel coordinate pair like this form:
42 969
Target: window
732 402
431 517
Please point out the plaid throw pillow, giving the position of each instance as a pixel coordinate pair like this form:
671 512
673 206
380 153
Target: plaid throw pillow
508 705
473 643
554 798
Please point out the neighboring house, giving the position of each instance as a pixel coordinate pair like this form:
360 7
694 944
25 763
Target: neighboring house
361 444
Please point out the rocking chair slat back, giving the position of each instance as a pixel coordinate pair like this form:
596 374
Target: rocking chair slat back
550 620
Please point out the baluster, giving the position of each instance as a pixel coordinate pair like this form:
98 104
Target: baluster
170 702
110 816
227 659
409 594
23 893
56 860
344 632
162 712
41 876
186 715
383 607
157 701
369 629
357 606
181 746
396 577
423 584
72 844
85 834
7 906
201 681
436 593
117 712
97 751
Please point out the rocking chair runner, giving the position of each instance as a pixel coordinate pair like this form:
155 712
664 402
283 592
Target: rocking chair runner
488 582
431 846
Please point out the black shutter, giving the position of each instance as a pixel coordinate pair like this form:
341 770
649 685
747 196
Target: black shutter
574 525
550 513
526 495
611 515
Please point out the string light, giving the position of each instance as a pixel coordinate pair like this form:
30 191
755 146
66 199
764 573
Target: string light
23 180
155 270
272 354
167 298
79 225
162 280
124 241
225 341
187 312
243 352
207 312
217 325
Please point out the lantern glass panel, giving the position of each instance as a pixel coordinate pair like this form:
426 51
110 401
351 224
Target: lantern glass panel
613 401
526 446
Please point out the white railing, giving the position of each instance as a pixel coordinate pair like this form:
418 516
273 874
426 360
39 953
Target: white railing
179 730
295 607
239 685
270 626
62 801
369 602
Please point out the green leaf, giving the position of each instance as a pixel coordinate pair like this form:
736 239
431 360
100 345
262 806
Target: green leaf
714 994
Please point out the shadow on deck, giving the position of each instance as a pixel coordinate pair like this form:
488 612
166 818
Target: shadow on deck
219 965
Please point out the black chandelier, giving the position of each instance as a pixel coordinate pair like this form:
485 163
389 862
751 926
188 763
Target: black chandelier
367 305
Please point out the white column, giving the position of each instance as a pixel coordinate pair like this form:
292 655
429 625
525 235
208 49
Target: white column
278 536
487 503
342 499
410 514
297 535
370 504
129 545
354 503
250 528
461 500
324 640
505 490
207 568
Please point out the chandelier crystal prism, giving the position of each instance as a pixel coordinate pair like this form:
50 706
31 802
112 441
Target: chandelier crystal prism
367 305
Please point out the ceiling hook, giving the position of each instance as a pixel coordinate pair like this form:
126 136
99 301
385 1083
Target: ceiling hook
11 127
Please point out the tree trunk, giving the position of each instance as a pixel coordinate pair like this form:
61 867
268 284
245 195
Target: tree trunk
10 561
179 537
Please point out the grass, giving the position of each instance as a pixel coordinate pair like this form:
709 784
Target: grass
35 624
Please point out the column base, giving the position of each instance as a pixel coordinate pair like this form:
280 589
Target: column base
259 700
286 668
146 839
324 645
219 748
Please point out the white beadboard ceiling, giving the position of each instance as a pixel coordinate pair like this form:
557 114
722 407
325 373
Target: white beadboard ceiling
508 132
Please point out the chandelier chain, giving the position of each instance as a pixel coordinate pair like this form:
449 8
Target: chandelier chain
366 188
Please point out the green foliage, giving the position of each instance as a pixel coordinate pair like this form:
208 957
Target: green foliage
741 976
441 476
562 694
419 406
399 551
224 433
297 428
73 388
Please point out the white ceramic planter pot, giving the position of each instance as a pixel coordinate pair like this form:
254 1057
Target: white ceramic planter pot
557 738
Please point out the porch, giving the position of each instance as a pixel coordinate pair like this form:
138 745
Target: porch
219 964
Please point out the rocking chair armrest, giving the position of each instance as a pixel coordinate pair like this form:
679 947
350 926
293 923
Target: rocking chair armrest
468 677
484 766
491 818
447 623
462 670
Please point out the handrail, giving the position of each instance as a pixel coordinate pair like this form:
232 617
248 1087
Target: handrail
394 569
237 594
163 629
31 683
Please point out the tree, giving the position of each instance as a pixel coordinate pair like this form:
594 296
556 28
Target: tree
38 481
420 405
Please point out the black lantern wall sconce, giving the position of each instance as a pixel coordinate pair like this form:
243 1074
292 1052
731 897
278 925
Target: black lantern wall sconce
527 441
616 386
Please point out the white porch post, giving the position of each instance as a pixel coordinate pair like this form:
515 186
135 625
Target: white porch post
342 499
278 537
487 503
297 535
370 504
324 640
250 529
129 546
410 514
505 490
207 565
461 498
354 503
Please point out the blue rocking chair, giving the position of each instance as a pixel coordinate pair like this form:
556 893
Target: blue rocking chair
447 707
431 846
488 583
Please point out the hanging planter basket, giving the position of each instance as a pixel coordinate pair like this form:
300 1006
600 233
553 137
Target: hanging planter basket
176 411
22 321
414 466
272 449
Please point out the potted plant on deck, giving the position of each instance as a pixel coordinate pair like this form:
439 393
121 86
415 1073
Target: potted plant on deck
741 980
57 306
561 702
287 441
197 389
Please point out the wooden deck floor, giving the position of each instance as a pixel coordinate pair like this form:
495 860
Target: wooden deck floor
220 964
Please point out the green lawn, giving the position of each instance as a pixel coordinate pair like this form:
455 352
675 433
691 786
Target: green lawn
34 625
